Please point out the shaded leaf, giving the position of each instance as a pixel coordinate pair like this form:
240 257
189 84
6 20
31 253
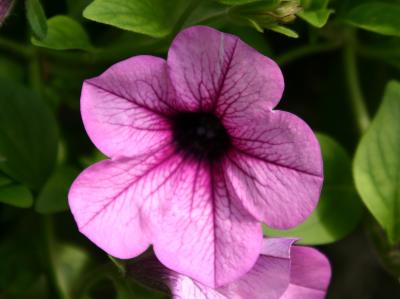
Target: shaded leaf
36 18
28 135
376 165
20 268
382 18
64 33
339 209
16 195
53 197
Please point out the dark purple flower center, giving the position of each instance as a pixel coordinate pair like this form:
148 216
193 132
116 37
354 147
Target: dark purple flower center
200 135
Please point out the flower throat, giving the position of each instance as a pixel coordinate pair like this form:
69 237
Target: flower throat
200 135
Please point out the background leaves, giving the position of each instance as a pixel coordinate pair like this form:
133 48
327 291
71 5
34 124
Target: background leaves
28 135
43 143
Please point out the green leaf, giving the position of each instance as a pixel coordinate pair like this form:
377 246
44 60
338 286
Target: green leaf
376 165
211 13
36 18
314 4
382 18
237 2
156 18
11 69
315 12
16 195
28 135
20 268
71 262
53 197
64 33
284 30
316 18
339 209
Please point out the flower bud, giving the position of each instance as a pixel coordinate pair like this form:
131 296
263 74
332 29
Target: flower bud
264 14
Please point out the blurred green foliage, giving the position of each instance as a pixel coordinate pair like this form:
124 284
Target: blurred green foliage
336 71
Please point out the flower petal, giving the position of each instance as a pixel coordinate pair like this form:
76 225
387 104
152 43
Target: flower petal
203 234
150 272
282 271
110 201
183 287
123 109
214 71
270 276
276 168
310 274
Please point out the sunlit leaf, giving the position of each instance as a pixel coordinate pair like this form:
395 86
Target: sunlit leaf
315 12
156 18
376 165
284 30
64 33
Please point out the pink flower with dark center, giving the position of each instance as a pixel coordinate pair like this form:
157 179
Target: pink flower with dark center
282 271
198 158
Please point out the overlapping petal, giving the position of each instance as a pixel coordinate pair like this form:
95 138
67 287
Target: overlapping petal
124 109
214 71
205 233
269 277
309 276
276 168
282 271
111 201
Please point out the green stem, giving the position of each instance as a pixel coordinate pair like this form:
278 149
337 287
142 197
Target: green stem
35 74
353 84
51 250
15 47
307 50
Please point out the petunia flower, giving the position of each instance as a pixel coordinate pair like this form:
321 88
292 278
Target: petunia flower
282 271
5 8
198 158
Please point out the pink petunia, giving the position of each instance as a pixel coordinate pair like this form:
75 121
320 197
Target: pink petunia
282 271
198 158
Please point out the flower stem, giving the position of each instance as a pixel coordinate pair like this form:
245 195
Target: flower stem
306 50
353 84
15 47
50 250
35 74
